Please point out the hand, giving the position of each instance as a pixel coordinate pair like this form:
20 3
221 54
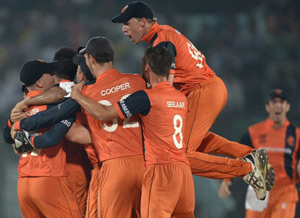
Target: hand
18 112
13 132
224 191
76 89
22 142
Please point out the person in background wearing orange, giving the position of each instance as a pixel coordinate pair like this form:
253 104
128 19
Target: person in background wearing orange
281 139
206 96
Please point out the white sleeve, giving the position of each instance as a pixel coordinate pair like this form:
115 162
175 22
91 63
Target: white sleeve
67 86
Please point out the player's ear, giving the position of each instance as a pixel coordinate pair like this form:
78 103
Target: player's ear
267 106
39 84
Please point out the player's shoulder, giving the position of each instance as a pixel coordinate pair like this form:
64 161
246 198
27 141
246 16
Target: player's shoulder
258 126
135 79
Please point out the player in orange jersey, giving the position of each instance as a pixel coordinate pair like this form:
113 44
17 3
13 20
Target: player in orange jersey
117 142
43 189
206 95
168 189
281 139
76 161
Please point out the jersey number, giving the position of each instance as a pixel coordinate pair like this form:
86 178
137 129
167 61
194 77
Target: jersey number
114 126
177 121
197 55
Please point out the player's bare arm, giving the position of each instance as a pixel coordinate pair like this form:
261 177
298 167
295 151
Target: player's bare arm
101 112
171 78
18 112
79 134
54 95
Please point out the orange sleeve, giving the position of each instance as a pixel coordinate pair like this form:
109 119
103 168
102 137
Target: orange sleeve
172 71
117 107
17 126
9 123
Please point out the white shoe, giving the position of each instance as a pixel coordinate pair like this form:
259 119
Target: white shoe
259 160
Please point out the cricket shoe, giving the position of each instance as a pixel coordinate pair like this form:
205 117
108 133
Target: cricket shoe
259 160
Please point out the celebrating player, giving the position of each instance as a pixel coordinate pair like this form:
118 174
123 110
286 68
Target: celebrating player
206 96
168 184
281 139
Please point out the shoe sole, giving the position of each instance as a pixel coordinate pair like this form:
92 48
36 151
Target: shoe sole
267 169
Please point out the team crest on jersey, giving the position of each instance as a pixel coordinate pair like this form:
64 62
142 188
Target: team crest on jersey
290 141
262 138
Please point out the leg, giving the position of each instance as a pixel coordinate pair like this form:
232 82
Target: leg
215 167
120 186
163 188
91 206
224 146
28 208
204 104
79 181
54 197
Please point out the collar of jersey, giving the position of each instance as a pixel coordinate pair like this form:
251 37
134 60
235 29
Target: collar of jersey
166 83
108 73
65 80
33 93
271 123
153 30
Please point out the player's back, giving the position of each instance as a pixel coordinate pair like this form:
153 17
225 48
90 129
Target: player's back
190 63
116 138
42 162
164 125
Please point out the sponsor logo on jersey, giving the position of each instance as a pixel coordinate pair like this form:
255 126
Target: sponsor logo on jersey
125 109
32 112
175 104
115 89
290 141
262 138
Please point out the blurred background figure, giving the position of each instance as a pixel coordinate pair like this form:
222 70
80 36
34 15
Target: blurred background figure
281 140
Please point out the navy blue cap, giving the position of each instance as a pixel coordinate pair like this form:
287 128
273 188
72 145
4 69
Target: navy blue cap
32 71
277 93
136 9
100 48
79 60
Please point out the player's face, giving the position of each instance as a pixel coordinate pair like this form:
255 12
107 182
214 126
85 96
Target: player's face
134 29
277 109
79 75
48 80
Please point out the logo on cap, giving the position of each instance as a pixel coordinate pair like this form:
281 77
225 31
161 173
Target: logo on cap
122 11
278 91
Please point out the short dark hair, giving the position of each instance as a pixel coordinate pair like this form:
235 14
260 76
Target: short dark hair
159 59
66 68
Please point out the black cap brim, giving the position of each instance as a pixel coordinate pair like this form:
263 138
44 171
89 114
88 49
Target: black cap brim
82 51
78 59
52 66
121 18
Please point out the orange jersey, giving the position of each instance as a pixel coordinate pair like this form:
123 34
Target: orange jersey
282 146
42 162
116 138
163 118
189 63
89 148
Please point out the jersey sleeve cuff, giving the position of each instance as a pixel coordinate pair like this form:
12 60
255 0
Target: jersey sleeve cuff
17 126
172 71
9 123
119 111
